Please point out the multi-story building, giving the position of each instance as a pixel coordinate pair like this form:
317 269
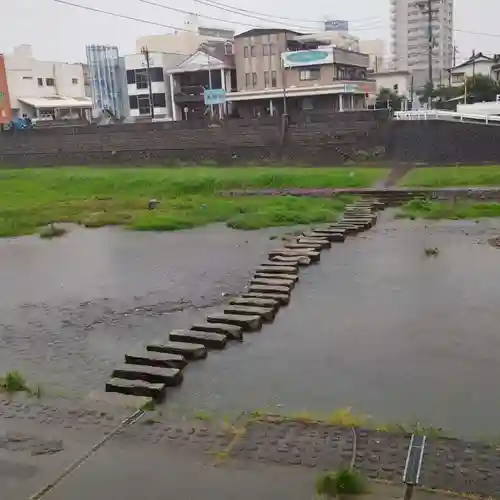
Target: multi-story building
376 54
410 38
45 90
107 81
145 100
279 70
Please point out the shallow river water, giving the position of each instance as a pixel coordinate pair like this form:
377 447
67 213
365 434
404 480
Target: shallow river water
376 326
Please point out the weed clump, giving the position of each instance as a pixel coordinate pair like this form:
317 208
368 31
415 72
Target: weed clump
340 483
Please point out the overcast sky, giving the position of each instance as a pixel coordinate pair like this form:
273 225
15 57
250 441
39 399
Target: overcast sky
60 32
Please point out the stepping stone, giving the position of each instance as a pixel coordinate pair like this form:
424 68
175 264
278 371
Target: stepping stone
287 252
136 388
207 339
278 270
154 374
247 323
365 223
330 235
266 313
282 298
273 263
308 246
272 282
156 359
269 289
323 242
347 228
233 332
255 302
301 261
187 350
270 276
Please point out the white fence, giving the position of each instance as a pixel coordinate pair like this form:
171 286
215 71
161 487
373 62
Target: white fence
446 115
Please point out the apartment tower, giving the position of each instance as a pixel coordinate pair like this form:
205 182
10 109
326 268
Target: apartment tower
410 38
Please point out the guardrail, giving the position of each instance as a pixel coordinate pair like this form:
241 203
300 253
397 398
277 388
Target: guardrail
445 115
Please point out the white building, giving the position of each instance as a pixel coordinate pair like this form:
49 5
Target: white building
184 42
410 38
376 53
42 89
396 81
138 84
477 64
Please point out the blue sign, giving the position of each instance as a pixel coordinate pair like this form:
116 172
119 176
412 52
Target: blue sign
214 96
306 58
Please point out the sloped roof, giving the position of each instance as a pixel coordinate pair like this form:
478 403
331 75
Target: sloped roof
474 59
266 31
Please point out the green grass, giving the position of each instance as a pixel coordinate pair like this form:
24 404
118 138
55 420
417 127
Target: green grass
437 177
189 197
462 209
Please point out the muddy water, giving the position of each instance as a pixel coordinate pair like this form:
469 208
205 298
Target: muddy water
376 325
70 308
381 328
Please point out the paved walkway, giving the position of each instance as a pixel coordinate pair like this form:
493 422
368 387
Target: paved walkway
37 442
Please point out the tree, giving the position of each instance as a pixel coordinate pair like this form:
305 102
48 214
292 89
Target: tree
388 98
481 88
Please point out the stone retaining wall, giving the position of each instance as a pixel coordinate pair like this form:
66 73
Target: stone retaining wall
326 139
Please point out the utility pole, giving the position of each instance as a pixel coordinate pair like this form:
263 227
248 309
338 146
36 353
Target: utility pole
455 50
426 8
145 53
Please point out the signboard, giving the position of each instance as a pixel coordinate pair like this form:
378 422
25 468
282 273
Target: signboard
306 58
213 97
336 25
5 109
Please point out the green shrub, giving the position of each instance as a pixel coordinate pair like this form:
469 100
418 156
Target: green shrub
13 382
342 482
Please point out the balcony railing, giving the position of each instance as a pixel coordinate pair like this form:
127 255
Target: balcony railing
189 93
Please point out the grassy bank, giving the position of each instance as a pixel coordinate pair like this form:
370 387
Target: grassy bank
437 177
189 197
424 209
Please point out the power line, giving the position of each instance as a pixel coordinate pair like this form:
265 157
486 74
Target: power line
121 16
215 3
494 35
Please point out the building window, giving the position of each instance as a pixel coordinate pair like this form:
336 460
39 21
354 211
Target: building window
74 81
228 49
245 52
265 50
156 74
310 74
130 76
50 82
144 107
254 80
159 101
266 79
40 82
253 51
272 49
247 80
273 79
141 79
29 78
133 103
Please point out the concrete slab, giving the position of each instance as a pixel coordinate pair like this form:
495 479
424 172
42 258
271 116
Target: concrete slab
301 261
233 332
150 358
266 313
282 298
329 234
269 289
247 323
209 340
283 265
136 388
168 376
347 228
289 277
287 252
271 282
188 350
304 246
255 302
269 267
323 242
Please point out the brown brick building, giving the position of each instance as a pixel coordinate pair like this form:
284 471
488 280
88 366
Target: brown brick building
279 69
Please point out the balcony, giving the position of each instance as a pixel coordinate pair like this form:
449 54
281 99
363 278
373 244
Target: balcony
189 94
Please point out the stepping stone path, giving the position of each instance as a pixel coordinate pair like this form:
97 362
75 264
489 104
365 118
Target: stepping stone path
148 373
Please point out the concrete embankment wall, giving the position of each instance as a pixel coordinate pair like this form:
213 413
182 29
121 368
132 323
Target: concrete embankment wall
326 139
